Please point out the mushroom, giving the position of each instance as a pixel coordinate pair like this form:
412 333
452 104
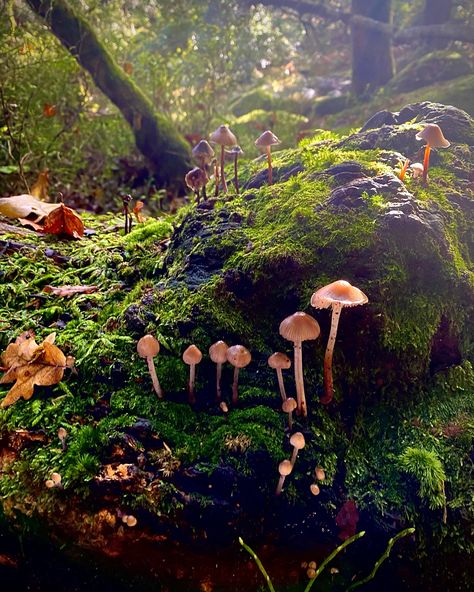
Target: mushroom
224 137
239 356
335 295
217 353
279 362
148 347
62 435
192 356
196 180
314 489
203 154
266 140
236 151
298 442
320 474
434 138
288 406
416 170
297 328
284 468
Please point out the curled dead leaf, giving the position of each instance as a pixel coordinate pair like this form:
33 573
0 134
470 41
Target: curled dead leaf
63 220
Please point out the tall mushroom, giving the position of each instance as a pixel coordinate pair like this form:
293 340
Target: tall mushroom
335 295
434 138
297 328
224 137
265 141
192 356
218 354
236 151
148 347
284 468
279 362
239 357
298 442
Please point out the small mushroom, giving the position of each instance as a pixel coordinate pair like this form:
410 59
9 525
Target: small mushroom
434 138
224 137
335 295
284 468
416 170
265 141
203 154
148 347
196 180
320 474
236 151
239 357
192 356
131 521
279 362
314 488
297 328
62 435
298 442
288 406
218 354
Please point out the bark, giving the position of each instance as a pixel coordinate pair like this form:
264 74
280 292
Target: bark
155 135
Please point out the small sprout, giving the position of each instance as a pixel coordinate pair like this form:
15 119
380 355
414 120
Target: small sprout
236 151
218 354
434 138
284 468
298 442
223 137
265 141
288 406
239 357
315 489
403 169
192 356
417 170
320 474
62 435
279 362
148 347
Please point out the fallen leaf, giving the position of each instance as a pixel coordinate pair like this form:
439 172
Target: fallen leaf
136 210
63 220
29 364
22 206
40 186
64 291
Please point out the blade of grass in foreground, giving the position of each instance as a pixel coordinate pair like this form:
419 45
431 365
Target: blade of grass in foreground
259 564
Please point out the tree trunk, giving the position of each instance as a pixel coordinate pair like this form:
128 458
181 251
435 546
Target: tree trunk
372 59
436 12
155 136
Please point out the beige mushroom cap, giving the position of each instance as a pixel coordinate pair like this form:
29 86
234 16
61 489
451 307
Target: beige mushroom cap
289 405
319 473
338 292
268 138
433 136
314 489
297 440
279 360
62 433
131 521
417 169
223 136
203 152
148 347
192 355
285 468
299 327
218 352
239 356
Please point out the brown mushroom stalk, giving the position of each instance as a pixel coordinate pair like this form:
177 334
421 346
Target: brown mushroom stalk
218 354
148 347
284 468
239 357
298 442
434 138
192 356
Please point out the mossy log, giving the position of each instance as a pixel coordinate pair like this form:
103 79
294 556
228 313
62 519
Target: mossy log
155 136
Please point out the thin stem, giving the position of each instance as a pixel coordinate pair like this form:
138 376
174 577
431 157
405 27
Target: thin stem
259 564
216 177
218 382
293 456
426 164
279 488
290 420
281 384
235 384
236 178
154 378
192 378
300 396
224 184
328 382
270 171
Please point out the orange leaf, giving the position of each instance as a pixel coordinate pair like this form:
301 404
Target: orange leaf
136 210
40 187
70 290
63 220
49 110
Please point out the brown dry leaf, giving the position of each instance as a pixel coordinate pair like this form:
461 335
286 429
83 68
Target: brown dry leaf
29 364
40 187
63 220
64 291
137 211
22 206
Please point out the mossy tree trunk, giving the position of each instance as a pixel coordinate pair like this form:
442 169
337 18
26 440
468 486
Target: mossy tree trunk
155 136
372 59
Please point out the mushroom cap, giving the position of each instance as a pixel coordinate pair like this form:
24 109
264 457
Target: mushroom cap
239 356
279 360
62 433
289 405
196 178
223 136
285 468
417 169
268 138
235 150
299 327
192 355
203 152
320 474
131 520
56 478
338 292
218 351
433 136
50 483
148 347
297 440
315 489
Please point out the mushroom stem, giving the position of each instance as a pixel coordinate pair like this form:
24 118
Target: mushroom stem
236 178
224 184
154 378
328 383
426 163
280 383
270 171
218 382
192 379
290 420
216 177
204 195
293 456
300 396
235 384
281 480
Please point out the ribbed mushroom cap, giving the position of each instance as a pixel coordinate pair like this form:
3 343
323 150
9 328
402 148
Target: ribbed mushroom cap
239 356
235 150
297 440
289 405
148 347
203 152
268 138
192 355
299 327
433 136
223 136
279 360
285 468
218 352
338 292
